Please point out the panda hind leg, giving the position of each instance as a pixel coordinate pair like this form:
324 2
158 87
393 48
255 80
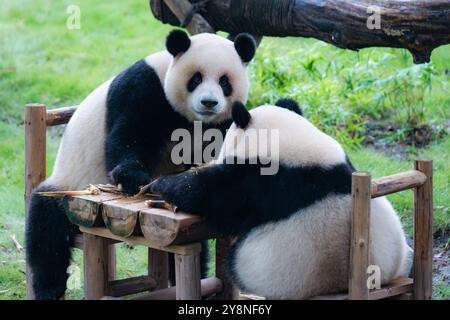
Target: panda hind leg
49 237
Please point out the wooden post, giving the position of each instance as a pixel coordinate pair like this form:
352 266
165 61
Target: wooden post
423 233
111 261
359 242
35 139
158 267
229 292
96 270
187 277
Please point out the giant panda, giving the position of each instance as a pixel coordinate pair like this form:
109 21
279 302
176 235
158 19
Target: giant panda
121 134
291 228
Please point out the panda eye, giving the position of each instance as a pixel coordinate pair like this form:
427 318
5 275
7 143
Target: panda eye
197 78
194 81
223 81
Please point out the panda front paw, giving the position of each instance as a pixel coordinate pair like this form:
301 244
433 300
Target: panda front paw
129 180
179 190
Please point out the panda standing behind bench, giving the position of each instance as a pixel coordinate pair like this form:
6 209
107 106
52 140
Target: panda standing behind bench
292 228
121 133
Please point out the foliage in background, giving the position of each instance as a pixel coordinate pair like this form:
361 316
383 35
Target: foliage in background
343 92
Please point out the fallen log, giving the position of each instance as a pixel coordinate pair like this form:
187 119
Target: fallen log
417 25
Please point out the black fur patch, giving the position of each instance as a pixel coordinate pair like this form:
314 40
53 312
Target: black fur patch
234 198
177 42
48 238
194 82
245 46
240 115
227 88
289 104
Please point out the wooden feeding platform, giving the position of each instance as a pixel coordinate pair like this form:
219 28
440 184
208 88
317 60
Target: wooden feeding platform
128 216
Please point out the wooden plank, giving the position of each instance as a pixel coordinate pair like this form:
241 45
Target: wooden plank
35 141
121 215
396 287
209 286
122 287
229 292
166 227
59 116
95 263
186 249
158 267
359 242
397 182
86 210
187 277
423 233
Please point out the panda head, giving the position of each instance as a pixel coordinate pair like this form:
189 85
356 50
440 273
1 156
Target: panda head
297 142
207 74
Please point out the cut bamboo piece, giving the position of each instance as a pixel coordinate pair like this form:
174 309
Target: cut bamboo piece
397 182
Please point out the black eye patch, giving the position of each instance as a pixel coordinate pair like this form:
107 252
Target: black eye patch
224 82
194 81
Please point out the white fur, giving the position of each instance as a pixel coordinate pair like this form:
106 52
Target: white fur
213 56
300 142
307 254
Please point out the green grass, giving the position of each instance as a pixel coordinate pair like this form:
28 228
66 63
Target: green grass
42 61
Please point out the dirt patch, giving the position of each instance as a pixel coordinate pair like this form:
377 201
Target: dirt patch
396 140
441 260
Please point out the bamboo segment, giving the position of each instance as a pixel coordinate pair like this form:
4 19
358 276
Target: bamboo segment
423 233
359 243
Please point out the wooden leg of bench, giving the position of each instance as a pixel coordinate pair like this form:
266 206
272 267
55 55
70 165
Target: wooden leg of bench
111 262
158 267
187 277
96 266
229 292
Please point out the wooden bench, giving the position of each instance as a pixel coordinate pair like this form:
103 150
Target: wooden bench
110 218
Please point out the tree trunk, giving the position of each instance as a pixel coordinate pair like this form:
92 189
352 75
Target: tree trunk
419 26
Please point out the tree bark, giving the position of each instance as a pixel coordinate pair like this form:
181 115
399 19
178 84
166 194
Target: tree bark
417 25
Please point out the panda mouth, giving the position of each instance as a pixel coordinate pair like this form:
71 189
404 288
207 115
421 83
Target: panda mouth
206 113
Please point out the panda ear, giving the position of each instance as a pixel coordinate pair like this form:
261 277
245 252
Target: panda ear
177 42
240 115
290 105
245 46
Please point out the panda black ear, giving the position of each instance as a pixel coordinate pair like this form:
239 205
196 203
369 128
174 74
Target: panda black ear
245 46
240 115
177 42
290 105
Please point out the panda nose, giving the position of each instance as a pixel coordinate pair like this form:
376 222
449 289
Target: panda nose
209 103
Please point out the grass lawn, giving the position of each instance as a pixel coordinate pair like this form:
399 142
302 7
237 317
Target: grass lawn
341 91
